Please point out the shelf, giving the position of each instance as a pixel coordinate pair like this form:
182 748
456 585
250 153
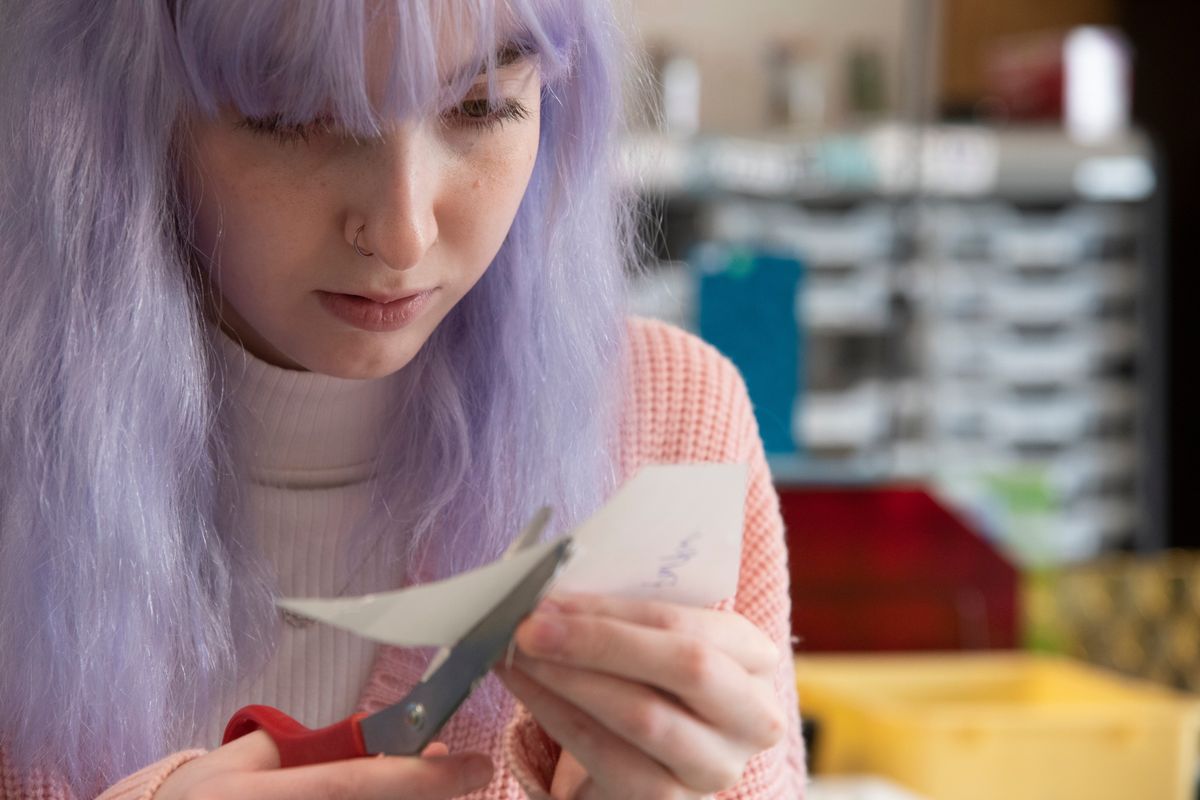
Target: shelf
1036 164
990 328
797 470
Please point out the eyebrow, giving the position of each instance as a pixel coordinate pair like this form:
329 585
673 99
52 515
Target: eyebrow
509 54
505 55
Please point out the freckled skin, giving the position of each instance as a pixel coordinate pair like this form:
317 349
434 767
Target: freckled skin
275 222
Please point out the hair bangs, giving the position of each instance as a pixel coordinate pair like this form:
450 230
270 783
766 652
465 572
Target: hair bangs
360 65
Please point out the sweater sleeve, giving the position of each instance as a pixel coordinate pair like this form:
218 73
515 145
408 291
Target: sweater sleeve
763 598
145 782
531 755
688 403
139 786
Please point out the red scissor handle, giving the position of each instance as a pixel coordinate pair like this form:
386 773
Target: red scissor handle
297 744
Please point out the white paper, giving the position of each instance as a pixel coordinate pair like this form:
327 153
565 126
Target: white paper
672 533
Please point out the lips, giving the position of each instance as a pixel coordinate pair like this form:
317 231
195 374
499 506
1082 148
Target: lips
371 314
384 299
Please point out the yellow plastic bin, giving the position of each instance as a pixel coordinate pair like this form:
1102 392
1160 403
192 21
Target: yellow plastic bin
1000 727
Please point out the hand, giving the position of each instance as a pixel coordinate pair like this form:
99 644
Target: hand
249 768
647 699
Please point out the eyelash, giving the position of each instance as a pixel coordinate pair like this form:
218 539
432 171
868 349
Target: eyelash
477 114
493 116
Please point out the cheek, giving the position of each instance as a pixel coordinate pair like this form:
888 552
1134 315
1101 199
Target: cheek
482 207
252 229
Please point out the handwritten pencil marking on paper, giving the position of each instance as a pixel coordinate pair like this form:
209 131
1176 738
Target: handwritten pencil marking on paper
684 552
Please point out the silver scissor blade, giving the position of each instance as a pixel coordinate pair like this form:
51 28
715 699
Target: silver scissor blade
407 726
524 539
531 533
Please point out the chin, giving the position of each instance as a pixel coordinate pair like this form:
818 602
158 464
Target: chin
364 362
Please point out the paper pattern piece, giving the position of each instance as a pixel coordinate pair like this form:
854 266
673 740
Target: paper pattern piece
672 533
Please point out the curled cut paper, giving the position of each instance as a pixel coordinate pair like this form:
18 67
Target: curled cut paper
671 533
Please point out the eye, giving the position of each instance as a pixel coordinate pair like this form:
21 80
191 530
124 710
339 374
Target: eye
481 114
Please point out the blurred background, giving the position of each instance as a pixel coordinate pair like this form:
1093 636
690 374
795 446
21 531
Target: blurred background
947 243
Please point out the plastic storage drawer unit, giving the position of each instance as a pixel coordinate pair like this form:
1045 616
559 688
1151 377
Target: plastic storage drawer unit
998 727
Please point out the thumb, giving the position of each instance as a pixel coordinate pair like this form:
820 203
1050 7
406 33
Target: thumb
254 751
435 749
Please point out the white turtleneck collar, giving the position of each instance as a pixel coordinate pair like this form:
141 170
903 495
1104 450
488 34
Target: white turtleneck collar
303 430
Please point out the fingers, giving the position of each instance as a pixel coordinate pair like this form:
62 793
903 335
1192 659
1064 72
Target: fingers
254 751
701 676
627 773
394 778
435 749
637 689
248 768
694 753
729 631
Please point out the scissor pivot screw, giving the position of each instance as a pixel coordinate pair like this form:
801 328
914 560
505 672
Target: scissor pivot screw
414 715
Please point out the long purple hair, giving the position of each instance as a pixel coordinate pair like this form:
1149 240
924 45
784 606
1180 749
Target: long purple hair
128 597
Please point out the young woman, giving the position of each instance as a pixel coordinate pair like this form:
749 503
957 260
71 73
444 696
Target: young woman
324 297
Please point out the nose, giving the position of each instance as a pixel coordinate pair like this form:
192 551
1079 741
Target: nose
398 190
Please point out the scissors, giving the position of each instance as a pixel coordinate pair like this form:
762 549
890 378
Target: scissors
406 727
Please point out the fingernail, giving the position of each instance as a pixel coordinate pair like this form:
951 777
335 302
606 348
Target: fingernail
558 604
435 749
548 633
549 606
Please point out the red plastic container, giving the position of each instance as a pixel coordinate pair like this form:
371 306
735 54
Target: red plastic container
892 569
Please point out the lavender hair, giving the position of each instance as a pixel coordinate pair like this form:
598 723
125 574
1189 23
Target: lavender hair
128 597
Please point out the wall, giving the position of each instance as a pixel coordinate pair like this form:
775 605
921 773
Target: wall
729 39
969 27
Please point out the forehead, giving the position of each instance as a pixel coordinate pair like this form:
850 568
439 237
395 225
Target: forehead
449 46
359 60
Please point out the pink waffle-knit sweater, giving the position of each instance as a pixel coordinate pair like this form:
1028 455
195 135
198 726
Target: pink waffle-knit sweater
687 403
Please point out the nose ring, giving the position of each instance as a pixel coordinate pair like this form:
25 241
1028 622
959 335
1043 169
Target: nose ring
358 249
